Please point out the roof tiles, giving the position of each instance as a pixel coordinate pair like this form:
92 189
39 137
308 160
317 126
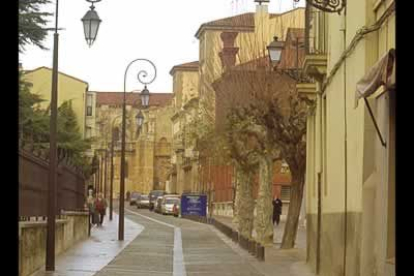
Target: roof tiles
116 98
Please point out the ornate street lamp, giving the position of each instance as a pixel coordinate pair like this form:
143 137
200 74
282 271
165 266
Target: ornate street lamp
145 103
275 51
145 97
115 137
52 177
139 118
91 22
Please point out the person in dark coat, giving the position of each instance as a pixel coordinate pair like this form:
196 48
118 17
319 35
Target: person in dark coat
277 210
100 206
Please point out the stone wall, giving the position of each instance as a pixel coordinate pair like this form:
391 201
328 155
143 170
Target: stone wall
32 239
332 243
226 209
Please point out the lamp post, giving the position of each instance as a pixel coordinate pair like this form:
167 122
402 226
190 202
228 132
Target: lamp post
111 188
144 103
51 209
115 137
275 50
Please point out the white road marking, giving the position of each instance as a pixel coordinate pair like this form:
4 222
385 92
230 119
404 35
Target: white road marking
179 266
154 220
178 261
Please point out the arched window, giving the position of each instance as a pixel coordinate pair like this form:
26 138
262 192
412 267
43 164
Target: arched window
116 134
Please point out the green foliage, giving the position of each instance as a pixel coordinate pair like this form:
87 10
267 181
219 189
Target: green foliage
33 124
34 127
31 23
69 137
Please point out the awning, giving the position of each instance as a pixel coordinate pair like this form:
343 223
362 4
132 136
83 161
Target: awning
379 74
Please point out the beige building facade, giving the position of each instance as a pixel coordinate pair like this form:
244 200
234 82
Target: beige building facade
185 165
247 35
235 40
350 176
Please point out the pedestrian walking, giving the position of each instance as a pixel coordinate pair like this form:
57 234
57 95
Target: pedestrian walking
92 209
100 205
277 210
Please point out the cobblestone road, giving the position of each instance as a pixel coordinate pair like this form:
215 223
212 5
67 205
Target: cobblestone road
153 253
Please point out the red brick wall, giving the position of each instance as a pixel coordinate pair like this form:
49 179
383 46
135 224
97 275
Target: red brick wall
221 180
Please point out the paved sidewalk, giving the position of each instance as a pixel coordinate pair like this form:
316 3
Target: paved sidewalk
286 262
91 255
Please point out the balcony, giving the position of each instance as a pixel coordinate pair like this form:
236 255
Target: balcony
307 93
314 65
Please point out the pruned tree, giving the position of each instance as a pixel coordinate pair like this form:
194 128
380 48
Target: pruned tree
277 119
242 146
284 116
239 89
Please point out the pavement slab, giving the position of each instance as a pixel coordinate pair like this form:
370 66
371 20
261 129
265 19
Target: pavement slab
91 255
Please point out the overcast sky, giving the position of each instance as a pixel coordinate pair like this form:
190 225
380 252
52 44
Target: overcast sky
160 30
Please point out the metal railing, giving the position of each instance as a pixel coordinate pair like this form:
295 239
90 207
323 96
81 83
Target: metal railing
33 186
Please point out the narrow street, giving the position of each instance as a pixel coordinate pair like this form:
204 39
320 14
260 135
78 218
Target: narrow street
267 126
174 246
161 245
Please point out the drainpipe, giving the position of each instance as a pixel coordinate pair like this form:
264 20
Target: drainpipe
345 149
85 97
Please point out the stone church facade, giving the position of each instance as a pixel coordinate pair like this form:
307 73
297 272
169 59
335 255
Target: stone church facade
148 150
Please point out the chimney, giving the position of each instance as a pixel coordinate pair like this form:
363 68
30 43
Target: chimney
229 52
261 26
261 8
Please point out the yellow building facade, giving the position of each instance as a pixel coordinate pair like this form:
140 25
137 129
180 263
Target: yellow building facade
148 150
350 175
69 89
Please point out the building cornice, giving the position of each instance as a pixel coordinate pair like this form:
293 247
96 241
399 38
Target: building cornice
66 75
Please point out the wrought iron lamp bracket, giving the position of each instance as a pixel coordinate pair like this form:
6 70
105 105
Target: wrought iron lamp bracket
93 2
296 74
327 5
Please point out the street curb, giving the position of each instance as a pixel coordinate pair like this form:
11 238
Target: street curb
250 245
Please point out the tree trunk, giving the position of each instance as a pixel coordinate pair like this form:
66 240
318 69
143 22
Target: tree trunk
245 203
263 220
291 227
235 203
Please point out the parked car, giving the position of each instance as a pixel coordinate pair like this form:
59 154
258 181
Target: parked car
143 201
133 198
168 203
157 206
153 195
